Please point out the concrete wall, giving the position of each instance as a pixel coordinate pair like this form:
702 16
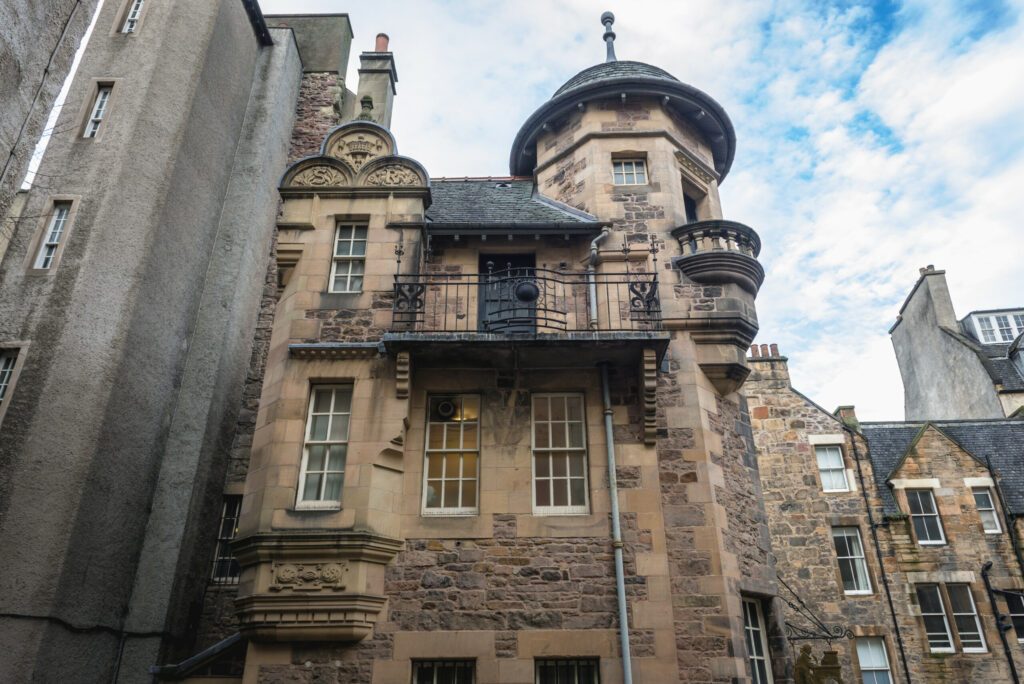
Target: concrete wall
38 41
140 337
942 377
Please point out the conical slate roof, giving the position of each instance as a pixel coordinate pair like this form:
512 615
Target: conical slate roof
614 71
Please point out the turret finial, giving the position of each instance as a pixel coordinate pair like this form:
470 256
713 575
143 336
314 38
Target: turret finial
609 36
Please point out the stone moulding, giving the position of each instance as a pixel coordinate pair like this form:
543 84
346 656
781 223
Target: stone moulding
649 375
722 267
311 586
402 372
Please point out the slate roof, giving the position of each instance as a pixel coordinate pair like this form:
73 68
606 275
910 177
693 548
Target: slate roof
611 71
995 358
1001 441
498 201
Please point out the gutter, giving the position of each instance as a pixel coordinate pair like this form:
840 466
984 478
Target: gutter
613 487
878 553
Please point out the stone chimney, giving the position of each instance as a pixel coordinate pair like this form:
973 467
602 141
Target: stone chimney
848 415
767 364
377 78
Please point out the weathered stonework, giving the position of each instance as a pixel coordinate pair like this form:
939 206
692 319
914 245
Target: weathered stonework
317 111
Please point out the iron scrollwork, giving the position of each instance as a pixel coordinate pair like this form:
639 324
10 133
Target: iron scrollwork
817 630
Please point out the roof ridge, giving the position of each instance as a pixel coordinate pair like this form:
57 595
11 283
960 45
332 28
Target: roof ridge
480 179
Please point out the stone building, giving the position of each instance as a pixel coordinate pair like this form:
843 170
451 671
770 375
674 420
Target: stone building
898 541
967 368
281 407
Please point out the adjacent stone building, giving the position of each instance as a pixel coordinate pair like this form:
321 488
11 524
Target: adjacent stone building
897 541
967 368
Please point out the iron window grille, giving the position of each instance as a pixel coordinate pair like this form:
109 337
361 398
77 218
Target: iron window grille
443 672
8 357
326 447
936 624
925 516
832 469
52 236
873 661
853 567
757 642
567 671
225 565
452 454
987 510
965 617
131 19
559 455
349 264
99 110
629 172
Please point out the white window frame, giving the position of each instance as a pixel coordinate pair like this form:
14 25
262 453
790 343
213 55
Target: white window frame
994 327
945 619
1004 327
131 17
938 518
8 364
321 503
756 634
56 229
990 508
552 509
1016 616
225 568
344 265
595 662
457 663
636 168
98 111
873 646
973 615
831 450
461 450
857 562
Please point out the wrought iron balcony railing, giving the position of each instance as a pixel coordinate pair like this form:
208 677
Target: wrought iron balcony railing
526 300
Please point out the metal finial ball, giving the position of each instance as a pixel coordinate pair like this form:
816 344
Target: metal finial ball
607 18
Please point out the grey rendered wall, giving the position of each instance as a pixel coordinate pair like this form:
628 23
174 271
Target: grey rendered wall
37 45
139 340
942 378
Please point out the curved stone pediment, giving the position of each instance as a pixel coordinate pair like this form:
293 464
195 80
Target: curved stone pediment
393 172
357 143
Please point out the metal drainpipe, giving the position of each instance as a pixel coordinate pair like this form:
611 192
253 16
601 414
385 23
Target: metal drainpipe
999 628
591 273
878 552
613 487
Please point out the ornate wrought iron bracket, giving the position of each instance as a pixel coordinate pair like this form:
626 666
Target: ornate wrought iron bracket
817 630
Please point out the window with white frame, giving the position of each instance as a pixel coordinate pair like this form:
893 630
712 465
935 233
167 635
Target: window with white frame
225 566
986 506
1000 327
8 357
326 447
1015 609
349 258
99 110
131 17
988 333
965 617
832 468
443 672
925 516
629 171
50 242
452 473
936 626
567 671
873 661
559 454
754 628
853 568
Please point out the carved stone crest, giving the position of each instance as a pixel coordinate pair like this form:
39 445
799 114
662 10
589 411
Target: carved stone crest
308 576
393 174
357 148
320 176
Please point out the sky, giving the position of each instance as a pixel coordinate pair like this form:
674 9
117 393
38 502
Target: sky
873 138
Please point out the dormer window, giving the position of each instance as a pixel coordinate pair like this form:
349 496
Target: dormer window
629 171
999 328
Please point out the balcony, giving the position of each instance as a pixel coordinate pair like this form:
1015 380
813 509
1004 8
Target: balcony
720 252
523 310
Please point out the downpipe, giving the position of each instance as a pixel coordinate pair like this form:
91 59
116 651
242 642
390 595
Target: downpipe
613 490
592 276
985 569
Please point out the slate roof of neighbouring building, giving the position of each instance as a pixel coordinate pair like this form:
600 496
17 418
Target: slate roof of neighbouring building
999 441
498 201
994 357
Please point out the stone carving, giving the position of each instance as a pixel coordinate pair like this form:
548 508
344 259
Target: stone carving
402 375
693 167
320 176
308 576
649 371
393 174
358 147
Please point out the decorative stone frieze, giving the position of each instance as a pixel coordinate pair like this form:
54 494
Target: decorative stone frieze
393 174
321 176
693 168
358 146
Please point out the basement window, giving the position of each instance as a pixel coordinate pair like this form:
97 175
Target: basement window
567 671
443 672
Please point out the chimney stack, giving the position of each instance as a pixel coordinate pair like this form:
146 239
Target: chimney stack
768 364
848 415
377 78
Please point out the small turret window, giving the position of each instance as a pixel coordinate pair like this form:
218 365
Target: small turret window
629 171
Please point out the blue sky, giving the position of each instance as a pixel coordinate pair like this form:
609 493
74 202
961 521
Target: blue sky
873 138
